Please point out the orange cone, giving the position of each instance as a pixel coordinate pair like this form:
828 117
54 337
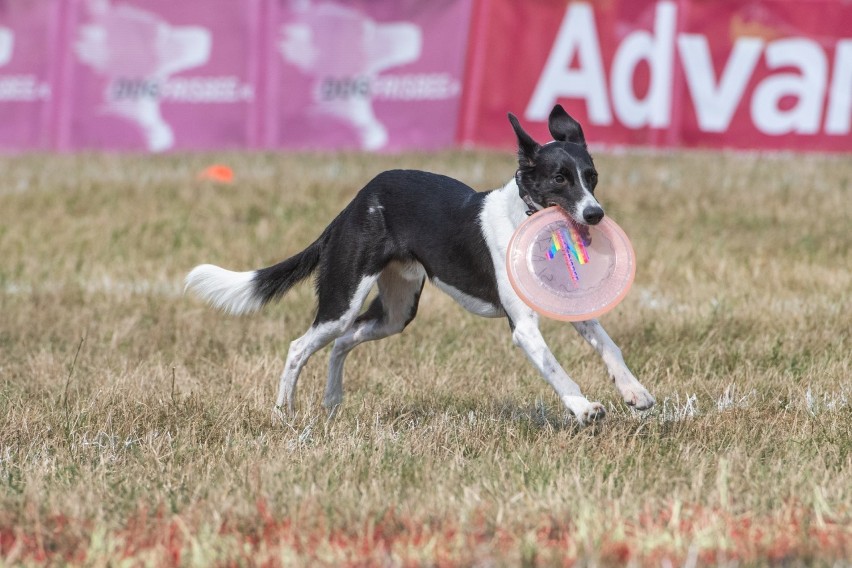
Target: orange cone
218 173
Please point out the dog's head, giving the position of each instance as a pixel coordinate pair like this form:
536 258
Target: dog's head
560 172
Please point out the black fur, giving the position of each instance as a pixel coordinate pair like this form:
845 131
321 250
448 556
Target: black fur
564 128
405 226
400 215
410 215
273 282
549 173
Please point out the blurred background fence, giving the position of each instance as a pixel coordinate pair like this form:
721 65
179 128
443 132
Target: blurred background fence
389 75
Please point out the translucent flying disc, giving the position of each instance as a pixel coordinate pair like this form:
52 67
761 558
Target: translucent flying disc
567 271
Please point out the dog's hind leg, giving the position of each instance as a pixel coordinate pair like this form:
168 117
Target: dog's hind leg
400 285
631 390
326 328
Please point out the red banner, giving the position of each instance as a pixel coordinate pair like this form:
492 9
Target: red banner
773 74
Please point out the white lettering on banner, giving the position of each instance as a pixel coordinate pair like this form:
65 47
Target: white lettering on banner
411 87
23 88
420 87
839 116
577 35
18 88
181 89
808 87
658 50
715 101
207 90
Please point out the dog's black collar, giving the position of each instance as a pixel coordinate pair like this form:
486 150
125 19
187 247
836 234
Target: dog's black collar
532 206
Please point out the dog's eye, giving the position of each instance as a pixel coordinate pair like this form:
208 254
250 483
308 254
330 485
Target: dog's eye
592 179
559 178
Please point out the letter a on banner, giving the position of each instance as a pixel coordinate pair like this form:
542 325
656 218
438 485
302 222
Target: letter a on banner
808 87
837 120
577 35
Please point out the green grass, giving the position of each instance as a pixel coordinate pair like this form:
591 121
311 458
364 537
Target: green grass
135 422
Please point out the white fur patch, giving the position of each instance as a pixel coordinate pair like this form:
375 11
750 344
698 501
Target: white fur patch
231 292
502 213
471 304
588 200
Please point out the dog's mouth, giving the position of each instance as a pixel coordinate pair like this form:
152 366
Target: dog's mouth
582 226
551 203
567 212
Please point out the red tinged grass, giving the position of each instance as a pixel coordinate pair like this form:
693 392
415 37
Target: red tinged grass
793 533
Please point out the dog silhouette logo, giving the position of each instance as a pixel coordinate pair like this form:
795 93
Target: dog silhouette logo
344 50
138 51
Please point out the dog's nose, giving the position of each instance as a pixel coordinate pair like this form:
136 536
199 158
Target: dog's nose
593 215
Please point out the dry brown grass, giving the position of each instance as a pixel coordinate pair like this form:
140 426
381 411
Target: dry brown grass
135 424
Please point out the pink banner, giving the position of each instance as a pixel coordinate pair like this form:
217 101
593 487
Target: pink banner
379 75
29 30
771 74
160 75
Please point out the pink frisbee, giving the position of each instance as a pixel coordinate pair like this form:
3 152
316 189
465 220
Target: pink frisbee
567 271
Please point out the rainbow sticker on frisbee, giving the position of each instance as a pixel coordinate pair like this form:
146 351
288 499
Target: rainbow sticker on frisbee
567 271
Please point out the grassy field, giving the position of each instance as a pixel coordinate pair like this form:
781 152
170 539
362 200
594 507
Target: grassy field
135 422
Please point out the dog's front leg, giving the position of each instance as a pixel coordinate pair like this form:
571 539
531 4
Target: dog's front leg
631 390
527 336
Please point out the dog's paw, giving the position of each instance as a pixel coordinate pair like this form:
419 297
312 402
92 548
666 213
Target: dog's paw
640 399
332 401
595 413
332 410
279 416
586 412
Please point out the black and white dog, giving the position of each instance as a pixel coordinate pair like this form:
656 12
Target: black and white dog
405 227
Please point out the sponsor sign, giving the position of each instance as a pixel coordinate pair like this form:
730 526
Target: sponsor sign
28 32
382 75
770 74
160 75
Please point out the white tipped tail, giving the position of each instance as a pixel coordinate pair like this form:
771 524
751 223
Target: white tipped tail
232 292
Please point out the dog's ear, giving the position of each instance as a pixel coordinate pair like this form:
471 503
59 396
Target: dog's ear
527 147
564 128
